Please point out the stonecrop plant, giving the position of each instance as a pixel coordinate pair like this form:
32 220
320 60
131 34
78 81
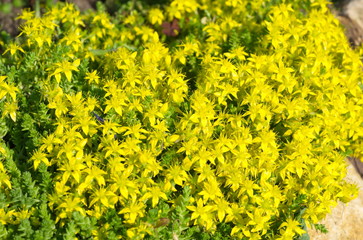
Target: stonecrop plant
196 119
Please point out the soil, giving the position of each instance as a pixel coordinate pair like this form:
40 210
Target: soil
8 21
10 24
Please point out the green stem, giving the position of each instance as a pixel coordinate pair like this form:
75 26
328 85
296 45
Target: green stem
37 8
133 5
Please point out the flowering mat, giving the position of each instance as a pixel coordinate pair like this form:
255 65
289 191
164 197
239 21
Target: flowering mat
192 119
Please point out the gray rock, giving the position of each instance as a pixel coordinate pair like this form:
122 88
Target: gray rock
351 18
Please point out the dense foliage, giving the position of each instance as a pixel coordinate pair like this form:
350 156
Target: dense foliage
196 119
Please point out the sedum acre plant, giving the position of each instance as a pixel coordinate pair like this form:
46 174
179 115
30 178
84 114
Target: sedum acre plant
194 119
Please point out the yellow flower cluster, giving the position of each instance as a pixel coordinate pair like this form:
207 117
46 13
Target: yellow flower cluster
251 133
8 94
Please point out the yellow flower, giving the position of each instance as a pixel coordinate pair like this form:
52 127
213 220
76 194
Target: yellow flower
92 77
66 68
131 19
290 228
156 16
4 179
6 88
13 48
10 108
202 213
70 205
26 14
39 157
87 124
154 193
135 130
211 190
109 127
23 214
103 19
116 102
6 217
205 172
238 53
258 220
93 172
104 196
73 39
185 6
73 167
123 183
145 32
133 210
222 207
177 174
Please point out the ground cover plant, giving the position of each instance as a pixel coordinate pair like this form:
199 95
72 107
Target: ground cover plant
193 119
